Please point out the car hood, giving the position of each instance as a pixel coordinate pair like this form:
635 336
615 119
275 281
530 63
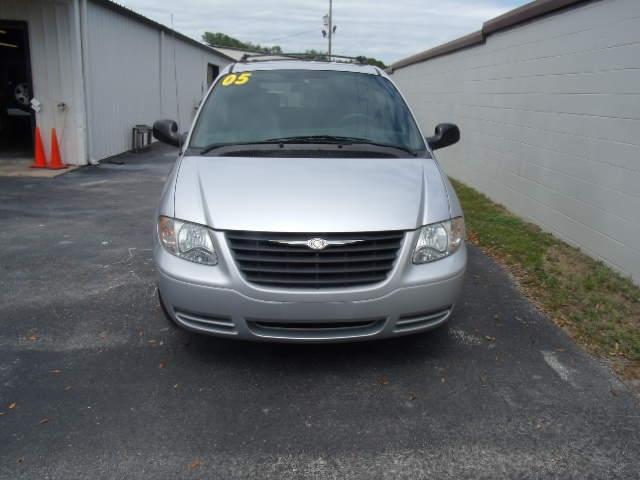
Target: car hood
310 194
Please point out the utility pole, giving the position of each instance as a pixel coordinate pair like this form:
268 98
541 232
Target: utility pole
328 28
330 25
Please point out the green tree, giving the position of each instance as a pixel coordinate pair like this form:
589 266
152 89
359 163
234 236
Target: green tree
371 61
315 55
318 55
219 39
223 40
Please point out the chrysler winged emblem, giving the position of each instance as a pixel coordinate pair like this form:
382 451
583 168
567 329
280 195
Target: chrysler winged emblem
316 243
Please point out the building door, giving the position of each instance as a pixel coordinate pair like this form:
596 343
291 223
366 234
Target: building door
212 73
17 119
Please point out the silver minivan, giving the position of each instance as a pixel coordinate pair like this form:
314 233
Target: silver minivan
306 206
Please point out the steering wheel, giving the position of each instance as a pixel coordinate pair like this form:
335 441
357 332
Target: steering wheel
354 118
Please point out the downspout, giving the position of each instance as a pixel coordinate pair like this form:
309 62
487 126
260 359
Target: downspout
86 81
161 74
80 115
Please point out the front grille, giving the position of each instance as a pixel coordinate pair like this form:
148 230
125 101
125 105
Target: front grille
265 262
316 330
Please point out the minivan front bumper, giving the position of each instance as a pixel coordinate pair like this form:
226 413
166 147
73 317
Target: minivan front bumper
218 301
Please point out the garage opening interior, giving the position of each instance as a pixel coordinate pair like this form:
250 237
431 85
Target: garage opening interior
17 120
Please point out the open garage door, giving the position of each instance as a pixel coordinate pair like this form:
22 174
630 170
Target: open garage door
17 119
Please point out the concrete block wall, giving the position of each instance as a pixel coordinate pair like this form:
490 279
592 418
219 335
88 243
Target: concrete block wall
549 112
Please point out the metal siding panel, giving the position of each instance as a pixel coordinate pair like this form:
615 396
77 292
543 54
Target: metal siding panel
130 82
550 124
123 62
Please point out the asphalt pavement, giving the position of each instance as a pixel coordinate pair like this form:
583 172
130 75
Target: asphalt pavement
94 383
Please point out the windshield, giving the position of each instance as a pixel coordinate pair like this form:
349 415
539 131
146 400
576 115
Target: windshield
279 104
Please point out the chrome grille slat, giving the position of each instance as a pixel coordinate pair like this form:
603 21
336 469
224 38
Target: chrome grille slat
301 248
264 262
266 236
310 269
306 258
316 282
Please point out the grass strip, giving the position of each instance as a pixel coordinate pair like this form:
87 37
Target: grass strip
597 306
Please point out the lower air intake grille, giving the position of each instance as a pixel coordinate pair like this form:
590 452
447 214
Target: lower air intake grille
285 260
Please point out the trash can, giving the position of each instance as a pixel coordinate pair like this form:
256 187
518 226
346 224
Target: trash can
141 138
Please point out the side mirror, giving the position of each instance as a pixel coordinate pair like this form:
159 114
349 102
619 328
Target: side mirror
446 134
167 132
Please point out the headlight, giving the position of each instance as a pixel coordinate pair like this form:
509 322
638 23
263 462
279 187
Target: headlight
439 240
187 240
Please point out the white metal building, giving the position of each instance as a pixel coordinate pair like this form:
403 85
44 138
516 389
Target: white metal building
97 69
547 98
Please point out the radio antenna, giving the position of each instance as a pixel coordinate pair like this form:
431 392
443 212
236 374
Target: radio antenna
175 81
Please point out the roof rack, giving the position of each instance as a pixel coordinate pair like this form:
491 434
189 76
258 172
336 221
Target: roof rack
266 57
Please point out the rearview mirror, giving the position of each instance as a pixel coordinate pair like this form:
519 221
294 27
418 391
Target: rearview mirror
446 134
167 131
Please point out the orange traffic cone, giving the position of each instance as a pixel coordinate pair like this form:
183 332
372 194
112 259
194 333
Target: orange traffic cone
56 162
39 160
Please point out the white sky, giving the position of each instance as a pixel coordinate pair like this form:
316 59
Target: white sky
388 30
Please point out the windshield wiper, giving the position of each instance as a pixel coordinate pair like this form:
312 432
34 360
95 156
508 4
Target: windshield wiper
328 139
338 140
331 139
269 141
213 146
